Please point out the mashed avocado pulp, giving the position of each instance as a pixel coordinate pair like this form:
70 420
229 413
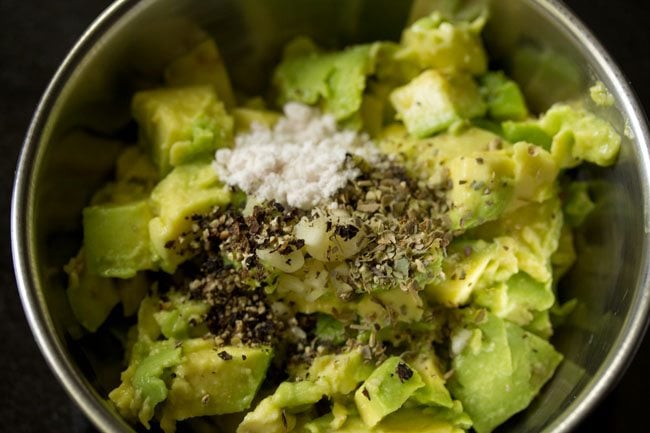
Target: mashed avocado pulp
418 299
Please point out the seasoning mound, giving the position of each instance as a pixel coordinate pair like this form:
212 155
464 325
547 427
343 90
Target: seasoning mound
300 162
382 231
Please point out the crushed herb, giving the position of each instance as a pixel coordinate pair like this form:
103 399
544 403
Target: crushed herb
403 221
403 372
225 355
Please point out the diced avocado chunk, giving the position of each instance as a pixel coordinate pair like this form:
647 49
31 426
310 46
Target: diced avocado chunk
426 420
188 190
214 381
535 175
178 315
525 291
329 375
503 97
203 65
91 297
336 81
143 387
386 390
518 299
535 230
503 374
381 305
577 205
579 135
433 42
340 373
292 395
411 420
385 307
117 240
471 265
426 158
433 101
434 392
483 186
274 414
528 131
266 417
181 124
204 140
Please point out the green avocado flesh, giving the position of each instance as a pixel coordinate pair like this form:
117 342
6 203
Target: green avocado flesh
419 297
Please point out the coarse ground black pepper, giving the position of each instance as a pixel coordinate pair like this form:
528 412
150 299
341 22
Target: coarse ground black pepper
404 372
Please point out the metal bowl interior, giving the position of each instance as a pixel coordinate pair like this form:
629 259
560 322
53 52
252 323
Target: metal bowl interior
127 47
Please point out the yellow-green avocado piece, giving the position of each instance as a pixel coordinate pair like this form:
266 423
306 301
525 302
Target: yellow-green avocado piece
143 386
471 265
580 135
433 101
426 158
501 373
335 80
188 190
434 392
213 381
180 317
329 375
433 42
425 420
380 307
488 176
386 390
503 97
483 184
405 420
520 299
535 230
181 124
116 239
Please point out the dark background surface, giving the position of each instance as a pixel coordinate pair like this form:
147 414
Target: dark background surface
35 38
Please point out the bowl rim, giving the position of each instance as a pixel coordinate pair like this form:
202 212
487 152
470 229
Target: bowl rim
620 354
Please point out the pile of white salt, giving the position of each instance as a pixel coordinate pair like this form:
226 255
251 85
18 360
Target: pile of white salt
300 162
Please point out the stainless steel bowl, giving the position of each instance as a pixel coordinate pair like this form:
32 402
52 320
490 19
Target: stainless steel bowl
127 46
